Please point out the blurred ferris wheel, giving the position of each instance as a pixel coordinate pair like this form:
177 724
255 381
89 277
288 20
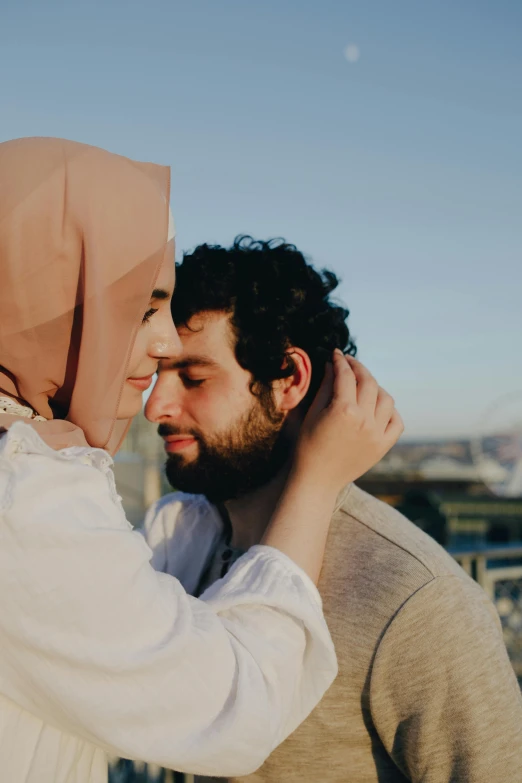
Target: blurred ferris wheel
497 447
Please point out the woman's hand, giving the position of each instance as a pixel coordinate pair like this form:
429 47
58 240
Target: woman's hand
350 426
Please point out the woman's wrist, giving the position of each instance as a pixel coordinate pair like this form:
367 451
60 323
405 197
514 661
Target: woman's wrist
304 479
300 523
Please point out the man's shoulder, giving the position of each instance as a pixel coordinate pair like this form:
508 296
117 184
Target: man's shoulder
365 519
376 561
376 557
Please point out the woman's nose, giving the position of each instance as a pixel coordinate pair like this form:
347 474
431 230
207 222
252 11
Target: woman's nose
166 345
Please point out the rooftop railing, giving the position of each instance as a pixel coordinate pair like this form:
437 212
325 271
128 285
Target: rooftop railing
498 570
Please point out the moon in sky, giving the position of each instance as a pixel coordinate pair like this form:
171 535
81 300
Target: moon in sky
352 52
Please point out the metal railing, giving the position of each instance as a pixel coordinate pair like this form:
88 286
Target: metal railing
124 771
498 571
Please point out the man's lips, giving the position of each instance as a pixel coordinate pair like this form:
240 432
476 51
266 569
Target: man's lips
175 443
141 383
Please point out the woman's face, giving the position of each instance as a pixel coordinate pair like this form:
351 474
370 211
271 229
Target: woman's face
156 339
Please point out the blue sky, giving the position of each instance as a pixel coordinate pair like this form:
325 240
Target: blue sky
401 171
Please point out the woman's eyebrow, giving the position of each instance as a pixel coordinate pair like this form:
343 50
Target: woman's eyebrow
160 293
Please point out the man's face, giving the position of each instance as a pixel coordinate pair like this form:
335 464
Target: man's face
221 440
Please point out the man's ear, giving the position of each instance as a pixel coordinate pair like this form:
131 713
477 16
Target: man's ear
289 392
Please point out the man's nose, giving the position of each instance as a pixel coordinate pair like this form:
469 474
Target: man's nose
162 405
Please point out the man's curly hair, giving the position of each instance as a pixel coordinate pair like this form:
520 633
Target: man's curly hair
275 299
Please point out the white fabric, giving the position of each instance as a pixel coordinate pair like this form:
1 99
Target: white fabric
8 405
101 654
182 530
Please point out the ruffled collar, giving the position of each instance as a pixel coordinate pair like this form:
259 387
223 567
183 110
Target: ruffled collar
10 406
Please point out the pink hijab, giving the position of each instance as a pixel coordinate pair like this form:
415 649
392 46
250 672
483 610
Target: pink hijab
83 233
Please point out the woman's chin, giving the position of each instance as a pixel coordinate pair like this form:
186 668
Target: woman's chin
130 405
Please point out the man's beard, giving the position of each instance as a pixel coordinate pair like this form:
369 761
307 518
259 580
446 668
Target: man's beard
234 463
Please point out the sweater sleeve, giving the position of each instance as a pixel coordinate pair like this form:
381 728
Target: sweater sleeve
444 697
94 641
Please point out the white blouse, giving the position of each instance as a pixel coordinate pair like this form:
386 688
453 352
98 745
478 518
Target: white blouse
100 654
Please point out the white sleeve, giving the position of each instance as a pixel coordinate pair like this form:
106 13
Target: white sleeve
94 641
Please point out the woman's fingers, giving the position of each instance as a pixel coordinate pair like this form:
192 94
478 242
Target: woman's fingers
395 428
354 383
367 386
345 381
350 426
384 407
324 394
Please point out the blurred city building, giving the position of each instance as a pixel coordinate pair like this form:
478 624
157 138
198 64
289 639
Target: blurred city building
138 468
438 486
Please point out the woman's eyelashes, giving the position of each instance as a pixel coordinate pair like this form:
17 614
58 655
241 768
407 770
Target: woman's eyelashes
148 315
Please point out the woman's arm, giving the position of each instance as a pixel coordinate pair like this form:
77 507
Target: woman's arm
350 426
98 644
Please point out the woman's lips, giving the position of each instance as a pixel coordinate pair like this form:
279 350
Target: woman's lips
141 383
178 443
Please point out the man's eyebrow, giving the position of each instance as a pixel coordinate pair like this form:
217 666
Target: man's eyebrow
192 361
160 293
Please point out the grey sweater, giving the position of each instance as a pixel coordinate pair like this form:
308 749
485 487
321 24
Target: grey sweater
425 690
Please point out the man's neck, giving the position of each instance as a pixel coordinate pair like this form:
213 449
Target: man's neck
250 515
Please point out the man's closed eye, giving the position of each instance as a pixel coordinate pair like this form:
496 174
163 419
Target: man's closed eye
191 383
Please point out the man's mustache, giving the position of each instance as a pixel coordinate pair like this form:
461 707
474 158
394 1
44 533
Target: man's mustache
171 429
